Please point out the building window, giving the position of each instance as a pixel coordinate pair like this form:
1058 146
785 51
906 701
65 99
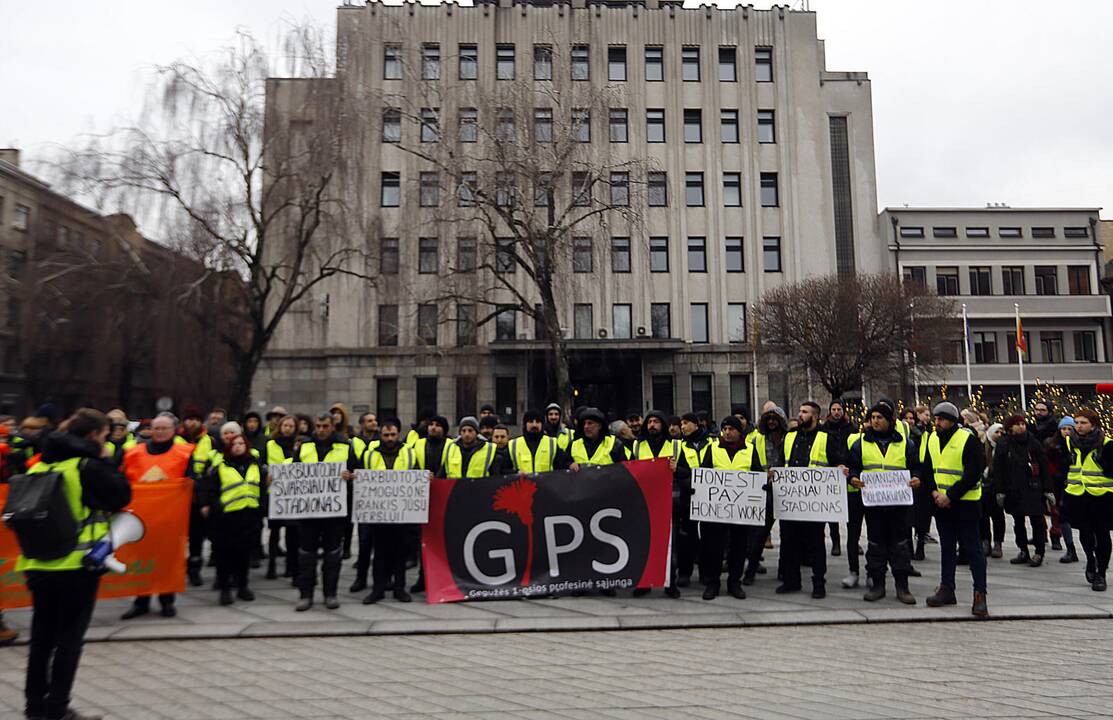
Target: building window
699 323
504 255
504 125
1010 346
1009 232
946 280
22 219
506 399
388 256
620 254
616 63
581 125
506 323
1047 280
689 64
740 390
693 126
771 254
504 189
728 64
728 126
660 321
504 62
620 189
430 189
1043 233
469 62
977 232
1076 232
770 192
657 190
431 62
543 190
766 126
391 189
980 281
430 125
543 125
1012 280
619 126
467 254
1085 346
465 195
467 393
693 189
1051 345
697 254
581 62
944 232
388 325
916 275
735 261
701 393
427 260
659 254
392 62
581 189
582 256
985 347
386 396
655 125
736 318
662 393
392 125
1078 279
469 125
427 324
732 189
763 64
583 327
542 62
465 325
911 232
654 63
621 321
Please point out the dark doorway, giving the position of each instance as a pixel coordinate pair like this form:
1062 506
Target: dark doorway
607 379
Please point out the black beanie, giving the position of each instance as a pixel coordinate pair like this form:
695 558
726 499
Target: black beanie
731 421
883 409
532 415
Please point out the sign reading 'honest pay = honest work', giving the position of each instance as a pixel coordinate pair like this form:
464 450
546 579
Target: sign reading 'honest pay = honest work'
886 487
809 494
391 496
728 496
303 491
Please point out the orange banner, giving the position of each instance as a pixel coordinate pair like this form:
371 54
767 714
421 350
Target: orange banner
156 564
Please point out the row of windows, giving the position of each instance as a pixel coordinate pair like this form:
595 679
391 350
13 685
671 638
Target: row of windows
617 185
429 318
1037 233
579 62
580 125
21 216
583 255
1012 280
984 347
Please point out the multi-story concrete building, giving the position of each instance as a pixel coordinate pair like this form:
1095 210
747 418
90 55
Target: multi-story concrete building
1047 260
768 177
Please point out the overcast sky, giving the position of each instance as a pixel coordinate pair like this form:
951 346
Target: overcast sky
975 101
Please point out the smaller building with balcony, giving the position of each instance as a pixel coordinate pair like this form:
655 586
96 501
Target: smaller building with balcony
1046 260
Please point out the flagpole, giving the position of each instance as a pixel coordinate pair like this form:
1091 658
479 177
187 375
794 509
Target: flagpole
966 352
1020 358
912 328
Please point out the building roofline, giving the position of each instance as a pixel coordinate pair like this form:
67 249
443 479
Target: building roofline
991 209
23 175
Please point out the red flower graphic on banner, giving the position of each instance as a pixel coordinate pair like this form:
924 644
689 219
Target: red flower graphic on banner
517 499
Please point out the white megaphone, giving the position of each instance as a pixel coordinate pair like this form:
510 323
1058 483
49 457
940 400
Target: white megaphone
125 527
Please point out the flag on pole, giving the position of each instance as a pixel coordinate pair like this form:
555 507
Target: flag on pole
1021 345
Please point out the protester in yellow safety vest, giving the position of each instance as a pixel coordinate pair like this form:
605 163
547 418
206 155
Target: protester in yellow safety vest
368 435
431 452
63 592
889 528
534 451
282 449
273 417
119 439
1089 494
952 470
233 493
838 428
554 426
596 446
193 431
470 456
389 540
323 534
655 443
768 445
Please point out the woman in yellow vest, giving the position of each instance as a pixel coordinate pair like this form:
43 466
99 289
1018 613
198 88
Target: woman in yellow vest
282 448
232 498
1089 494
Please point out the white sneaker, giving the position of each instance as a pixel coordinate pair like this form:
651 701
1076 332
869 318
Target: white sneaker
850 581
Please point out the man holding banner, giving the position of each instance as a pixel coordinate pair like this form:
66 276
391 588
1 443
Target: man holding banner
388 539
654 444
884 465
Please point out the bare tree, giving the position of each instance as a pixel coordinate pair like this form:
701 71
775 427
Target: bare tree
518 174
850 329
261 206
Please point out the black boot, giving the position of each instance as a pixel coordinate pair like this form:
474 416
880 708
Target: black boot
1070 556
1022 558
272 569
360 582
711 591
819 589
903 593
918 554
193 570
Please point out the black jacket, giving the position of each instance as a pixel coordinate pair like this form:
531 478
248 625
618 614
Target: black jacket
973 463
837 434
1014 461
854 454
103 487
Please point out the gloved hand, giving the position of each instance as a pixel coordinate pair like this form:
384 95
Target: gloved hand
1001 500
1050 498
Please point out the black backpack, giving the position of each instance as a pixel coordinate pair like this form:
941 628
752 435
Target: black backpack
40 516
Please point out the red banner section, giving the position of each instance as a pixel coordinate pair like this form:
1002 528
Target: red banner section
549 534
156 564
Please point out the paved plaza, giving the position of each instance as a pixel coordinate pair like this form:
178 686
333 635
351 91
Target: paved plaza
1015 592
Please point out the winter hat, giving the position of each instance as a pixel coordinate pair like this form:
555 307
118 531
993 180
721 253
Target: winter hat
532 415
593 413
731 421
1009 422
690 417
837 401
554 406
440 420
659 415
992 431
1068 421
192 411
884 410
469 421
946 410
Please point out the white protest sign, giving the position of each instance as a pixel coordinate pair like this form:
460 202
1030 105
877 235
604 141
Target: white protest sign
811 494
303 491
886 487
391 496
727 496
